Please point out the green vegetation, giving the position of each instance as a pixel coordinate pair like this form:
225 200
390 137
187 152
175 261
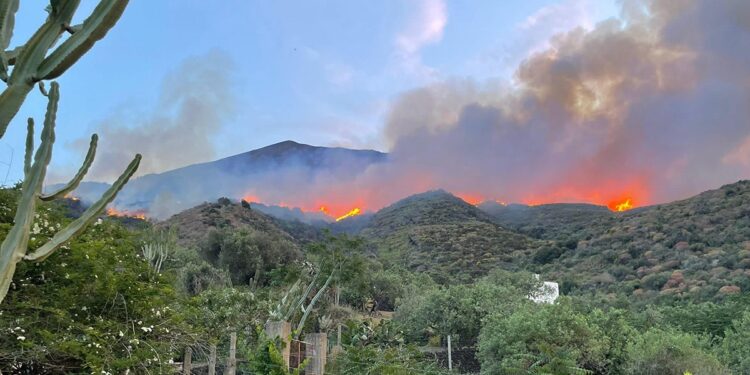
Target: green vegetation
697 249
31 65
132 297
656 290
445 237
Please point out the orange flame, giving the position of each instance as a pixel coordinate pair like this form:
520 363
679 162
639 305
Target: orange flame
472 199
72 197
324 210
111 211
250 198
621 206
349 214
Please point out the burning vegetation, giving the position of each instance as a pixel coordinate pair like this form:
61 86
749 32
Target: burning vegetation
620 206
139 214
354 212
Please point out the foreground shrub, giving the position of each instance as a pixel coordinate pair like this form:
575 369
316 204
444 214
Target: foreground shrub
669 352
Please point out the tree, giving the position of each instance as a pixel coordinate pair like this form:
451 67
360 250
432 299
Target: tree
31 66
736 345
460 310
556 334
340 257
249 255
671 352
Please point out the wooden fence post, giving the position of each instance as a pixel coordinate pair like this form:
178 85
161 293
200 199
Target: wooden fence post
450 357
282 330
232 359
316 352
187 361
212 360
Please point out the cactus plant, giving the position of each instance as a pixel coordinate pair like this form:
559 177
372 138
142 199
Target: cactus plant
31 62
31 65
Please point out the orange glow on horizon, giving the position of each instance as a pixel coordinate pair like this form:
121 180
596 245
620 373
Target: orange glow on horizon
250 198
342 201
472 199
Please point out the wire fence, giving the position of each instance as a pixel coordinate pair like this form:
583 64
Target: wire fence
297 353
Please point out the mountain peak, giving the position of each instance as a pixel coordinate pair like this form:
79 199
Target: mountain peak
428 208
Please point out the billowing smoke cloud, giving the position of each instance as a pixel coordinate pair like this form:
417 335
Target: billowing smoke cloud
195 101
652 107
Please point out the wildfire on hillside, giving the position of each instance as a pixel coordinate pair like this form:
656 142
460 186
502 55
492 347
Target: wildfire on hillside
621 206
354 212
472 199
111 211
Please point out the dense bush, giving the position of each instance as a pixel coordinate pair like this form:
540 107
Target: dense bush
249 255
371 359
669 352
735 349
555 333
459 310
92 307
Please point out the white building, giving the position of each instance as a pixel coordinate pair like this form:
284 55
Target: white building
547 293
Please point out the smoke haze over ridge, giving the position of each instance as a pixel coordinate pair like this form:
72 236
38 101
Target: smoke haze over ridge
652 107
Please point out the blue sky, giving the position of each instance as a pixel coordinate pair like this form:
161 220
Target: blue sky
318 72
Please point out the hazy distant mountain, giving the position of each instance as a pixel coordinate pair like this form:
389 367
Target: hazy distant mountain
286 164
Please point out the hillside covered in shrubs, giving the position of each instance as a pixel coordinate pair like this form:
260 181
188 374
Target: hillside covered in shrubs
659 290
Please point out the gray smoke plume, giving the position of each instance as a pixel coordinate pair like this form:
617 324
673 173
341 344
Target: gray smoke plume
652 107
195 101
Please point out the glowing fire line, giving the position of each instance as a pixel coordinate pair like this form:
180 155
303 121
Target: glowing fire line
118 213
349 214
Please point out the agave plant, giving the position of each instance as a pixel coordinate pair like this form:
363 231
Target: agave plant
32 63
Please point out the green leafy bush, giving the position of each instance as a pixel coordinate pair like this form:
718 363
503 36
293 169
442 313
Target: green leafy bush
670 352
555 333
735 349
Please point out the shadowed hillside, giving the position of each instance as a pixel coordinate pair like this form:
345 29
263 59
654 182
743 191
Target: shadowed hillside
547 221
194 225
697 247
438 233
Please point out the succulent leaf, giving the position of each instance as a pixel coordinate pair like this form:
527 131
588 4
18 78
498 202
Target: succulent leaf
94 28
21 80
29 147
8 9
15 244
73 184
88 217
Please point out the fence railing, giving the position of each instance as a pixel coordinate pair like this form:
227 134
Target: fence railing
313 349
